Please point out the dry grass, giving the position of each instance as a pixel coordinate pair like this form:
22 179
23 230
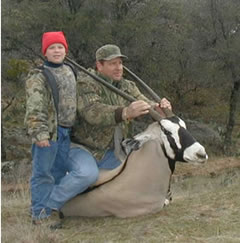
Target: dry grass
205 208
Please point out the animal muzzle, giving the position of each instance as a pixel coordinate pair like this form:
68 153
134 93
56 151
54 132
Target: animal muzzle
195 154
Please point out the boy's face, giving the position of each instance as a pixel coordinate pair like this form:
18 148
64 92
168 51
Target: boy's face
56 53
112 68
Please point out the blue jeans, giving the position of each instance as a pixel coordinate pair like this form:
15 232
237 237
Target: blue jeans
109 161
49 164
81 172
84 170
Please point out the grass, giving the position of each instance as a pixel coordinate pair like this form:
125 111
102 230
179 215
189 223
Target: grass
205 208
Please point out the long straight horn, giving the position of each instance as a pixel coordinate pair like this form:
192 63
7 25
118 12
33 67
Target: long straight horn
152 93
149 90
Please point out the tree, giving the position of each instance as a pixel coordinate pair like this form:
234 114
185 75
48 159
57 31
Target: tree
186 50
218 30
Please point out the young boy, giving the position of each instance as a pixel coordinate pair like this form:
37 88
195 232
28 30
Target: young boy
49 125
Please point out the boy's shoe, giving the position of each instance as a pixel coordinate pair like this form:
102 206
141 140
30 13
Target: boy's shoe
41 218
54 221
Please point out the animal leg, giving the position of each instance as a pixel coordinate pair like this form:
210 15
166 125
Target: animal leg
168 198
169 194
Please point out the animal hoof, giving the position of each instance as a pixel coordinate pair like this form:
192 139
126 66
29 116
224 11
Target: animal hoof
166 203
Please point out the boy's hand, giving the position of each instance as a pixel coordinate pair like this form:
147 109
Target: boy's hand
43 143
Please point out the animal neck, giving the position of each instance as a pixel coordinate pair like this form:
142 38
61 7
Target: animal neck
171 162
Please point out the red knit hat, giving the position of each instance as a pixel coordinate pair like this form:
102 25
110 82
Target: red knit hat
50 38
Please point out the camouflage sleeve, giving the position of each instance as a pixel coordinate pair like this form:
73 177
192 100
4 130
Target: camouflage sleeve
36 118
92 106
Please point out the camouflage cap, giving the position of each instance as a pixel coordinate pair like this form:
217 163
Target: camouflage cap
108 52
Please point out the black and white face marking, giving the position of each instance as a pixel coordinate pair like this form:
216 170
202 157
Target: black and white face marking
179 144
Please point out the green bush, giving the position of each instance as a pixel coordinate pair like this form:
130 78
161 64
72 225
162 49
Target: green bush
17 68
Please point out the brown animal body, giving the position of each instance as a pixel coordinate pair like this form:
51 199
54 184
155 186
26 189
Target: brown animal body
141 184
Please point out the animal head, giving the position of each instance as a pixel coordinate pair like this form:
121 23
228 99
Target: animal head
178 143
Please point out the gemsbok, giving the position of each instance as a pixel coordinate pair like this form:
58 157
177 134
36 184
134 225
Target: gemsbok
141 184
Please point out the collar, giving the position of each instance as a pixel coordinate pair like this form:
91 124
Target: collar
53 65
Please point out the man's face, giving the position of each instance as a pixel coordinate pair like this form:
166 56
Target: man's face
55 53
112 68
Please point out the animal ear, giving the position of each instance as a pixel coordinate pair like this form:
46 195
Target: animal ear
129 145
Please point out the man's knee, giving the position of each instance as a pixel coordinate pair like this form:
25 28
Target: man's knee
84 166
88 172
91 176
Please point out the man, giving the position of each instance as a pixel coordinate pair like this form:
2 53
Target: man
49 126
100 111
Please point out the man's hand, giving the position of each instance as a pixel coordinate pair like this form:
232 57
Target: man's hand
140 107
164 104
135 109
43 143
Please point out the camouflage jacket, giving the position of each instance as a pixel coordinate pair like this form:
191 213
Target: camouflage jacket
97 111
41 116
